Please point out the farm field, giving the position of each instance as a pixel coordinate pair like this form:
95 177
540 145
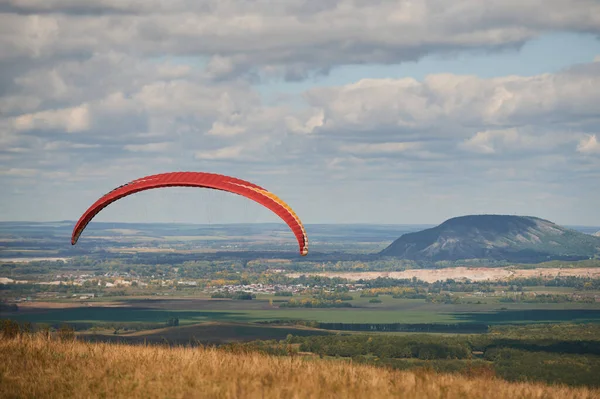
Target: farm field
205 333
198 310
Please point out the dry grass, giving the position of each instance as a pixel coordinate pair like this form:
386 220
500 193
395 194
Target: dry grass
33 366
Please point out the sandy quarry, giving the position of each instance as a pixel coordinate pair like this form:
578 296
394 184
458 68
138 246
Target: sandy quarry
461 273
38 259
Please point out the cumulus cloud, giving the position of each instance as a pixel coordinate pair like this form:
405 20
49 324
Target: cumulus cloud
445 100
494 141
379 148
380 120
589 145
232 152
155 85
314 120
149 147
221 129
481 142
72 120
342 163
292 37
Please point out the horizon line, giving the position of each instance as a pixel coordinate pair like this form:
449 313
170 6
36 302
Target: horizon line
264 223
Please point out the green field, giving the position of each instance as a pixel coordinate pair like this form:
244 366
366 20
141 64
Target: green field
197 310
207 333
150 315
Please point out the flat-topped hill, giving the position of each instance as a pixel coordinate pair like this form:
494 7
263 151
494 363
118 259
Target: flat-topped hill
495 237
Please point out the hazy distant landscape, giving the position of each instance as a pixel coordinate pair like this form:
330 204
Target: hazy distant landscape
245 285
18 239
53 238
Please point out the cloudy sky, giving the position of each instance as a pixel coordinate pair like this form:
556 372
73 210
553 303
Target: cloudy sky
368 111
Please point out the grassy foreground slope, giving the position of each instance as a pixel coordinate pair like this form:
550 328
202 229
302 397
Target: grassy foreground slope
33 366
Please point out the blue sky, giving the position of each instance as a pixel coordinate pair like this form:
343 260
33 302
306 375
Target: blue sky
380 112
549 53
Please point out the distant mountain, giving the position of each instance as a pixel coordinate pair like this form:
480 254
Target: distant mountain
495 237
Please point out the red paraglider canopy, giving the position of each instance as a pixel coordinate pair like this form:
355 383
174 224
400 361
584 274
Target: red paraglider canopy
203 180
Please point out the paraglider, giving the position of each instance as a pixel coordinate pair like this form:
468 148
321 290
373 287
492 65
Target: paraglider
201 180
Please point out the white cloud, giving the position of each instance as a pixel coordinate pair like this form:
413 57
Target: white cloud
149 147
483 142
371 102
74 119
118 103
56 175
221 129
380 148
18 104
591 145
167 71
62 145
181 97
292 36
119 170
232 152
342 163
137 76
443 102
27 35
314 121
19 172
220 67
